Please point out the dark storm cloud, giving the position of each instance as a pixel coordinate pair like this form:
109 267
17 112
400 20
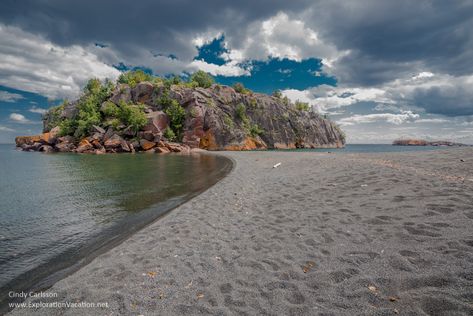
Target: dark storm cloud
388 37
385 40
449 101
159 26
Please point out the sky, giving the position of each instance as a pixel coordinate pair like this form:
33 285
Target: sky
381 69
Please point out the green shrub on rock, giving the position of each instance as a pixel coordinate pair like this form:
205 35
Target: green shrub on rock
132 78
227 120
110 109
240 88
302 106
240 111
67 127
255 130
133 116
177 115
169 134
277 94
203 79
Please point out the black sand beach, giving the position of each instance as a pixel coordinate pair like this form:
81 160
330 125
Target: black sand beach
322 234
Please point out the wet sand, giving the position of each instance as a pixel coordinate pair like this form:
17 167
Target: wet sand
322 234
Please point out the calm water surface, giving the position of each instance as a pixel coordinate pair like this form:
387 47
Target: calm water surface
58 210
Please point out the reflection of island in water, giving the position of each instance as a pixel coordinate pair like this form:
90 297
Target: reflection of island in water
423 142
58 210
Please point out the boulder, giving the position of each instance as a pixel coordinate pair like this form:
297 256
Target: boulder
162 150
147 145
124 145
129 132
46 149
97 144
135 144
143 93
148 135
158 121
109 133
176 147
114 141
100 151
122 93
66 139
27 140
65 147
48 138
84 146
96 136
98 129
54 132
70 110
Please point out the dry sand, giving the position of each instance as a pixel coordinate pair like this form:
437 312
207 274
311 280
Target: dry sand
323 234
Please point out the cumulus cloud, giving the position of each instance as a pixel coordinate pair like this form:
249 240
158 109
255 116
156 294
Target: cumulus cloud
6 129
6 96
216 70
35 109
282 37
19 118
428 92
396 119
31 63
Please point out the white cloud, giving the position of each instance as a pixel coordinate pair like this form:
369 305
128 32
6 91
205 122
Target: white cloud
35 109
6 96
326 97
223 70
432 93
31 63
282 37
432 120
396 119
6 129
18 118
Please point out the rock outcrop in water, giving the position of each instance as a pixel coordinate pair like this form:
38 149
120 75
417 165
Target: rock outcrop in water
422 142
179 117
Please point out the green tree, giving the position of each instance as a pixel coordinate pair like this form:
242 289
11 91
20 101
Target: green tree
240 111
203 79
240 88
177 115
169 134
132 78
133 116
255 130
302 106
277 94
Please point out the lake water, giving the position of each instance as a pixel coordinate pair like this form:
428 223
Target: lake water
58 211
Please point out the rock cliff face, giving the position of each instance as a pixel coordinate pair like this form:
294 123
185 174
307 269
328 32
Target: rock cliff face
216 118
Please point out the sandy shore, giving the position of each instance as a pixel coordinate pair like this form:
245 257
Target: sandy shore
323 234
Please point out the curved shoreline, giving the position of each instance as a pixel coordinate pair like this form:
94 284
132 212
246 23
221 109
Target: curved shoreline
323 233
96 247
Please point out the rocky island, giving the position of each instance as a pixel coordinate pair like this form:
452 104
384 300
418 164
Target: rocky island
422 142
141 112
